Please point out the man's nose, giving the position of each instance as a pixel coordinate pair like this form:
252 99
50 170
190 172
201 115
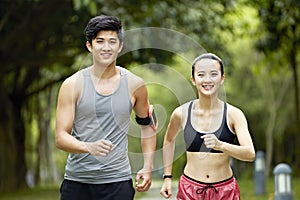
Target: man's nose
106 45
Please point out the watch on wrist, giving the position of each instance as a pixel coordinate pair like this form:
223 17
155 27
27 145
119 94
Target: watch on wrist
167 176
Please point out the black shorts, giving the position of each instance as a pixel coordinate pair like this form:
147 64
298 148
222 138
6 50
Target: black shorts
72 190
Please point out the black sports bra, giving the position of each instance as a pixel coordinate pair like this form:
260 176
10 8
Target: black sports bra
192 138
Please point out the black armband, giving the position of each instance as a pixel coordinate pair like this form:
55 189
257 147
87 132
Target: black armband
143 121
150 120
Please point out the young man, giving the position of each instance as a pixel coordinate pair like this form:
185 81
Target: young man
210 127
93 117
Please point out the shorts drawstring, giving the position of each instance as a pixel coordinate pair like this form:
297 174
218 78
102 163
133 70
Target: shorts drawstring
203 190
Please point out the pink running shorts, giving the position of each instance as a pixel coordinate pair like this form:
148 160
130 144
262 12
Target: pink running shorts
190 189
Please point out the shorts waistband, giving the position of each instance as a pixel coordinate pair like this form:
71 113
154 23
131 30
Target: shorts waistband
219 183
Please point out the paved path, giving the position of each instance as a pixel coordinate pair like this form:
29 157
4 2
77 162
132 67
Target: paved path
153 193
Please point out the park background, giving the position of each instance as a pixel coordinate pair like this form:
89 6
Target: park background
42 43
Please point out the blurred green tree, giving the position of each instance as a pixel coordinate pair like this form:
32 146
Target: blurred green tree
280 42
35 35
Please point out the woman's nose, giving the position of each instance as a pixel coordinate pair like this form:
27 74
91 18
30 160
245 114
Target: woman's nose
207 78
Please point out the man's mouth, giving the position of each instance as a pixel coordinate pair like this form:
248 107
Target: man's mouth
106 55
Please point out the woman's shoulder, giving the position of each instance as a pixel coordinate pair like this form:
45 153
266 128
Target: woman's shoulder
234 111
184 107
181 112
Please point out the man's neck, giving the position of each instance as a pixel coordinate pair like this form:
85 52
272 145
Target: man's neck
104 72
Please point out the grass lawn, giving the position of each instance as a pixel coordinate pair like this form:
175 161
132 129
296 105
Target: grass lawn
248 190
246 187
38 193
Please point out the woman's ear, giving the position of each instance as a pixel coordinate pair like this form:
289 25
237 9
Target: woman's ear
222 79
192 80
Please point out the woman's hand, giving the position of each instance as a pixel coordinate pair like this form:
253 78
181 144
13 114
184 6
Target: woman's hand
166 190
212 142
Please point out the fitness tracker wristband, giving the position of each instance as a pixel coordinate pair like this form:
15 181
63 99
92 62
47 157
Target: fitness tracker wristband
167 176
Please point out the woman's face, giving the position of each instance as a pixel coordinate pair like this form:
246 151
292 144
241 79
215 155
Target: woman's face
207 76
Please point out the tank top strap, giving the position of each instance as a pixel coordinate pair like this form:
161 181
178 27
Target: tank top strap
123 71
188 121
123 79
224 118
224 114
86 72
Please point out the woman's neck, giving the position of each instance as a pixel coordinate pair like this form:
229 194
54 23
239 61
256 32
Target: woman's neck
208 103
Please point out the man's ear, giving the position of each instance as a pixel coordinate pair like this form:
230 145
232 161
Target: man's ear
121 47
88 46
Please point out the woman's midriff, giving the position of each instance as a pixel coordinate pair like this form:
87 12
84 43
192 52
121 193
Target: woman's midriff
208 167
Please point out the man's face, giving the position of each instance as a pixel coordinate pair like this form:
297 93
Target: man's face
105 47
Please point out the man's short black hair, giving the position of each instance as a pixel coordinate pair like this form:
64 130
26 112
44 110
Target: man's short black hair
100 23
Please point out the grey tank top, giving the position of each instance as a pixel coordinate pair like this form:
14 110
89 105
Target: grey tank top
101 117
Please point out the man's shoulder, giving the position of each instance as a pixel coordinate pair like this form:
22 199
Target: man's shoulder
131 77
74 79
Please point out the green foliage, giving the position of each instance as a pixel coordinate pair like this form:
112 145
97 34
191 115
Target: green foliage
91 5
34 42
279 41
279 19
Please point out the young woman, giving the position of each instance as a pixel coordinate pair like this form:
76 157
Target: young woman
210 127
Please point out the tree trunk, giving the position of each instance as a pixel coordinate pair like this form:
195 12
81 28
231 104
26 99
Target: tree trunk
12 137
293 63
271 125
270 138
274 102
46 169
